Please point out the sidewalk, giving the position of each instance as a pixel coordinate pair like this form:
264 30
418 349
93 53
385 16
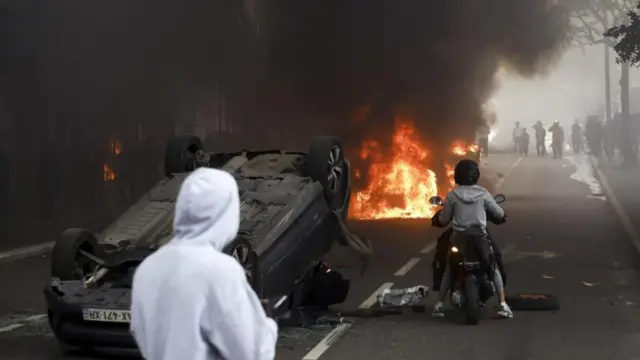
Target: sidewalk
622 188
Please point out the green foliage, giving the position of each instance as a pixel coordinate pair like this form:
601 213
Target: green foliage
627 37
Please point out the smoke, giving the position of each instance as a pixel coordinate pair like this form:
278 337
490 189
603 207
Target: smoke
432 60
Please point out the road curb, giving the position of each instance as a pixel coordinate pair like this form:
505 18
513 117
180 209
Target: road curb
627 224
26 252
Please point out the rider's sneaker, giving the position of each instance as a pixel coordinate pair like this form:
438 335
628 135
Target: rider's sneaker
504 311
438 310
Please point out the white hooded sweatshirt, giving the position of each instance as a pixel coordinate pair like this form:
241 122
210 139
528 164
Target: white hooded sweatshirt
189 300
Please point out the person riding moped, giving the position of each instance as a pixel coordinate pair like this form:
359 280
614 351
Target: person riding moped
467 208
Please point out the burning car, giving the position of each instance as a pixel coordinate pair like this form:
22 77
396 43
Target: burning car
293 208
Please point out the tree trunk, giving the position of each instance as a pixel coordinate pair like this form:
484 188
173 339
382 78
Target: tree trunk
629 158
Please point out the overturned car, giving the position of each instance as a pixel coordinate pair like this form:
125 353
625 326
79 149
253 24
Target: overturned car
293 208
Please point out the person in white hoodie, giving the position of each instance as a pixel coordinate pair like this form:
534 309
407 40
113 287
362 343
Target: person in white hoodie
190 300
466 208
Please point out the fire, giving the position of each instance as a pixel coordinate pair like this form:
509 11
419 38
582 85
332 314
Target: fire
116 148
109 174
461 149
400 183
400 186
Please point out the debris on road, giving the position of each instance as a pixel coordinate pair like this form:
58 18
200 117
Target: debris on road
588 284
548 277
402 297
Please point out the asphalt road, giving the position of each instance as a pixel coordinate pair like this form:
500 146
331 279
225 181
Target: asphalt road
551 207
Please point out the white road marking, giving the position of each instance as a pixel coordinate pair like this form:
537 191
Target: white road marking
26 252
35 317
513 166
22 322
613 200
407 267
10 327
341 329
429 248
374 297
326 342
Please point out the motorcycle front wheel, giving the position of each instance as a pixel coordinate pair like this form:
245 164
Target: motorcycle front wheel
472 300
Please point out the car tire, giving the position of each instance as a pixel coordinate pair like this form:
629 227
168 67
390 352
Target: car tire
66 261
326 164
179 155
241 250
533 302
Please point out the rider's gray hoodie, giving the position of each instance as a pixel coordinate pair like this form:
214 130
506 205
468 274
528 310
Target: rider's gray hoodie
465 207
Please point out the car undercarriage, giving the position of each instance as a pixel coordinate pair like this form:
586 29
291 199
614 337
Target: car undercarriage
293 210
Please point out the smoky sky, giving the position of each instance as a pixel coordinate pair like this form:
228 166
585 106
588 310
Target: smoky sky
432 61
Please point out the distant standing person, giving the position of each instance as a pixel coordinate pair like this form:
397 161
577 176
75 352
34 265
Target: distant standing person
576 137
541 133
524 142
557 139
517 135
594 130
483 139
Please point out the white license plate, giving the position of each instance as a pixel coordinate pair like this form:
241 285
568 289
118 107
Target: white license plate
106 315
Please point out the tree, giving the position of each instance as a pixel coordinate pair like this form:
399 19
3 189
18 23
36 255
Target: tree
627 38
592 19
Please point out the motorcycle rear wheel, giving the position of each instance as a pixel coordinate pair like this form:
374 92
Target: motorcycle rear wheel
472 300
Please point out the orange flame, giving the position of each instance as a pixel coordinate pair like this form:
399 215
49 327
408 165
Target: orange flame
116 147
109 174
401 183
400 186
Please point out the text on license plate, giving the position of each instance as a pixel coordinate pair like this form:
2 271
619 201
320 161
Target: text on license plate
106 315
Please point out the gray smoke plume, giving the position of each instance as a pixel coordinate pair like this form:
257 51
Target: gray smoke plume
433 60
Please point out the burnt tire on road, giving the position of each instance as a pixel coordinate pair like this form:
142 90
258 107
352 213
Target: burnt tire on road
533 302
241 250
180 154
69 260
326 164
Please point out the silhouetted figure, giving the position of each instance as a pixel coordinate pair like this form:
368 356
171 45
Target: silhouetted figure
576 137
483 139
524 143
517 134
541 133
557 139
594 132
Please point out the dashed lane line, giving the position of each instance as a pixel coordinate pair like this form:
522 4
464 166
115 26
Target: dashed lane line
374 297
327 341
23 322
342 329
428 248
513 166
404 270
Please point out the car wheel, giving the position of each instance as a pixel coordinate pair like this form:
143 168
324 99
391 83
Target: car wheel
326 164
533 302
241 250
181 153
75 254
